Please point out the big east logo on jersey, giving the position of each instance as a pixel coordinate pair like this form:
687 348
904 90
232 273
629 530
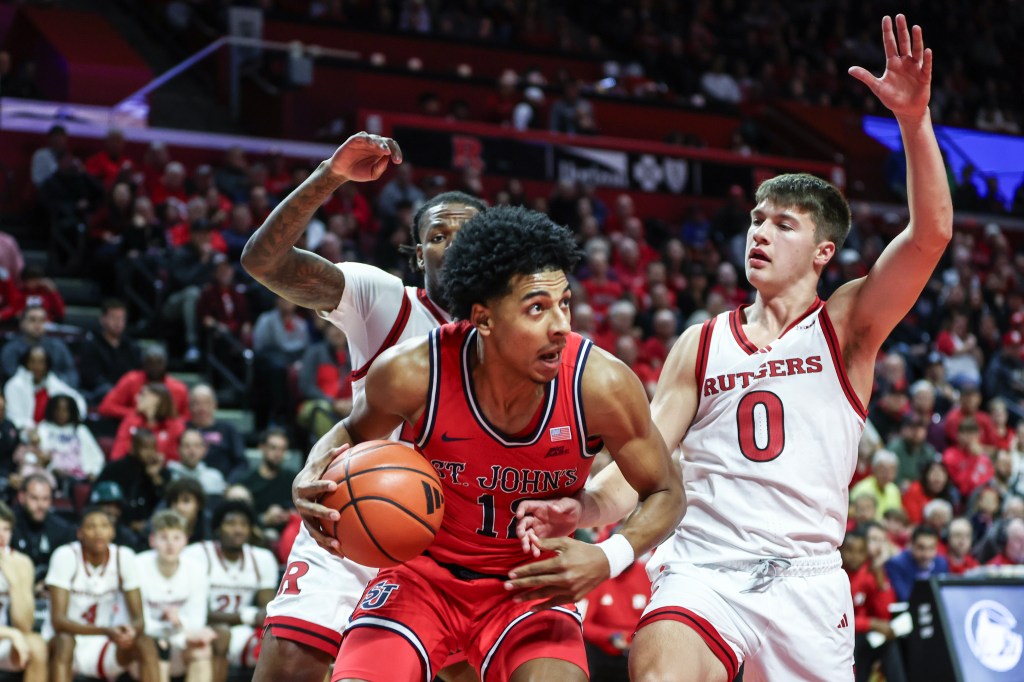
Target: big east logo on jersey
769 368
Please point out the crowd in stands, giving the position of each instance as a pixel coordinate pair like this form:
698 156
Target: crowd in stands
97 418
939 485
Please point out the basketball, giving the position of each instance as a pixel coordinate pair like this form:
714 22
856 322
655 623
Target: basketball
390 500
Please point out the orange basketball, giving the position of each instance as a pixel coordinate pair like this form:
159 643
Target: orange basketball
390 499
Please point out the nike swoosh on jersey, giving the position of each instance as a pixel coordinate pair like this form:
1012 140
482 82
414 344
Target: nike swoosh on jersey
451 439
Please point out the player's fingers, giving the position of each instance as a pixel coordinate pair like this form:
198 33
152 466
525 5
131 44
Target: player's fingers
313 489
864 76
888 38
903 35
926 64
395 150
529 507
557 545
379 166
917 43
325 541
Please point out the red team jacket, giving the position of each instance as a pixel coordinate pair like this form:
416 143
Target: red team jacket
486 473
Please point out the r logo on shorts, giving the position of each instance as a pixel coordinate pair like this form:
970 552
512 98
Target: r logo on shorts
378 595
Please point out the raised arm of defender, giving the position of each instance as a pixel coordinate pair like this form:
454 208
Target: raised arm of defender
866 310
300 276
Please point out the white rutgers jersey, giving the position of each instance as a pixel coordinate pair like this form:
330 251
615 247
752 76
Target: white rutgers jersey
376 312
233 584
184 593
772 447
95 593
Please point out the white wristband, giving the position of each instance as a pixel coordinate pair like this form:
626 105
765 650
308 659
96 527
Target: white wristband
247 614
619 553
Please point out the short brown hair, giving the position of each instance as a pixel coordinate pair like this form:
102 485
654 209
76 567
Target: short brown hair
821 199
168 519
6 514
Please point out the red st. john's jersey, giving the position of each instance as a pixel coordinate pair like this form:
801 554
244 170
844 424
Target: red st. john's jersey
486 473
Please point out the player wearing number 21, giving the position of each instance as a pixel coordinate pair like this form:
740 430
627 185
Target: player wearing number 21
507 404
767 405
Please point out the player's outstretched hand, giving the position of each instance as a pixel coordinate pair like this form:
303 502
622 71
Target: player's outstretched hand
307 489
905 87
363 157
576 569
546 519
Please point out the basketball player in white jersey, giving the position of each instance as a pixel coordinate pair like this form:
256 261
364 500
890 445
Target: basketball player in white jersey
20 648
96 607
174 598
376 311
242 581
767 405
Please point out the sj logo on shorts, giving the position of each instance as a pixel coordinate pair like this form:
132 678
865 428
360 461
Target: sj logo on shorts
378 595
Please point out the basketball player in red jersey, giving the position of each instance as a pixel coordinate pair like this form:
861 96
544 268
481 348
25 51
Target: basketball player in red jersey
319 590
508 404
767 406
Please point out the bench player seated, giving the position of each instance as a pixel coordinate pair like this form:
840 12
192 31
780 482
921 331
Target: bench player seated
174 598
242 579
96 607
20 648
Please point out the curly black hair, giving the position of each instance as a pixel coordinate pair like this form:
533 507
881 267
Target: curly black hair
416 230
232 507
498 244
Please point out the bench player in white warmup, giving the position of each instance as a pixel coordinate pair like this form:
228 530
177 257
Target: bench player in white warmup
376 311
242 582
20 648
96 607
174 598
767 405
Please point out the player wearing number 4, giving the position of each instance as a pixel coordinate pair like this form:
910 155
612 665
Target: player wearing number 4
767 405
96 607
242 582
507 404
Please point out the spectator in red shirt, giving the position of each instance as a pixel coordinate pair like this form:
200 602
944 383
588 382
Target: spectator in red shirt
222 305
872 596
325 383
629 269
154 410
655 349
1013 550
40 290
727 284
197 209
122 399
970 406
958 549
600 285
171 185
499 105
348 200
934 483
110 163
621 322
626 350
1004 437
969 466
